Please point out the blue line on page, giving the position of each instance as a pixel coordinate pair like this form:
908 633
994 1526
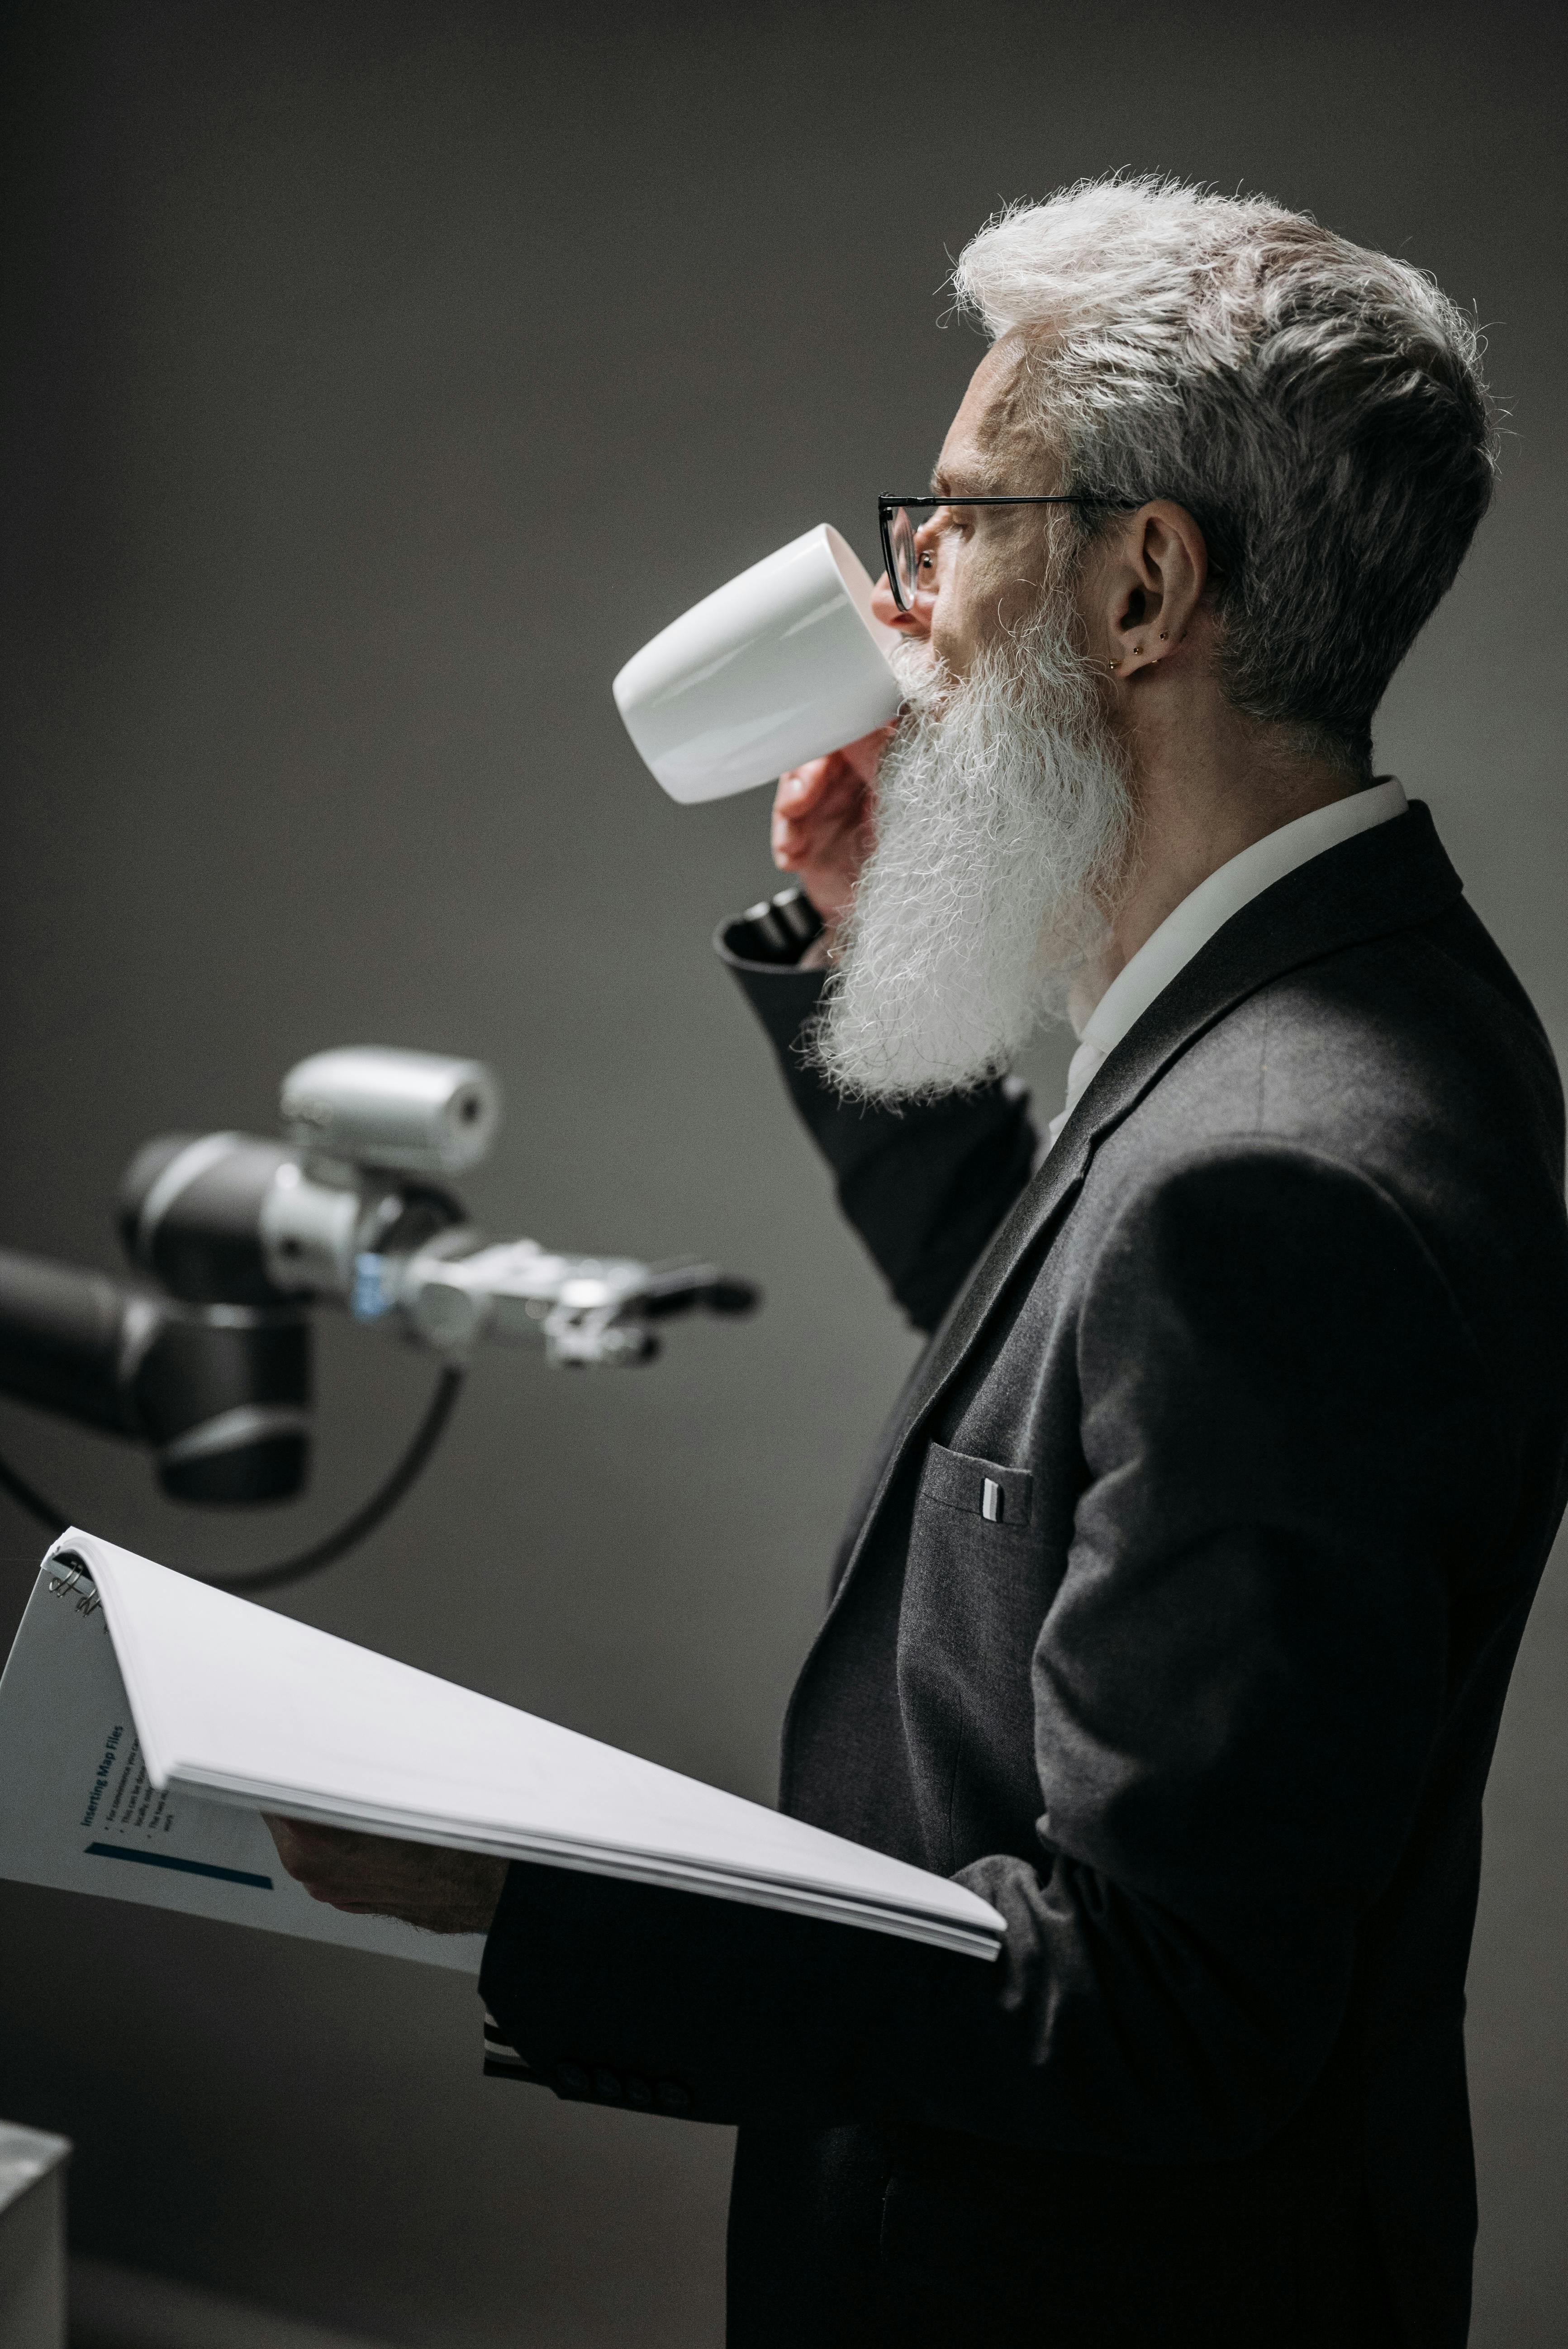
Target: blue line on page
185 1867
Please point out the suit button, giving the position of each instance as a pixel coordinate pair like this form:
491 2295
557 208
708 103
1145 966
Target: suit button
609 2086
575 2079
638 2090
673 2096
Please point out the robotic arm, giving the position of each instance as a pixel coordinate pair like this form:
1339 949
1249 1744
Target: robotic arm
219 1395
353 1211
211 1368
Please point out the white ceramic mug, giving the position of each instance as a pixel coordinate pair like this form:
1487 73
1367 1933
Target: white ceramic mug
783 664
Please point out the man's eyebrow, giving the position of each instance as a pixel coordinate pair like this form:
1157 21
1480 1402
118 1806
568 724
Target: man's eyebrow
956 487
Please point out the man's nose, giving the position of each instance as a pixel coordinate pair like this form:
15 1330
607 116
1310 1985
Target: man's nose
885 609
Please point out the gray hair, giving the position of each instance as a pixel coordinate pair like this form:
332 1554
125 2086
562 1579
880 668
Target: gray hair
1318 408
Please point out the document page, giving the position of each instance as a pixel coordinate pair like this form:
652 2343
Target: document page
235 1704
80 1810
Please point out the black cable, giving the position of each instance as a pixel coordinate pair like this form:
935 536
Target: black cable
427 1435
352 1530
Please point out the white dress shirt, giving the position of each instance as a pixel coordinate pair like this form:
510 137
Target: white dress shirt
1195 920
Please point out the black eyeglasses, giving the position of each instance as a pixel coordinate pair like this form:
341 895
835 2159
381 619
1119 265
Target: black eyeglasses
898 531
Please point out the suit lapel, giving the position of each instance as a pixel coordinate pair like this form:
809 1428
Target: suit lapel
1387 879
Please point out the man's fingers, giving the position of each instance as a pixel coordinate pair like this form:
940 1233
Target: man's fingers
380 1876
288 1840
823 784
301 1839
794 802
814 805
819 808
800 788
318 1857
862 758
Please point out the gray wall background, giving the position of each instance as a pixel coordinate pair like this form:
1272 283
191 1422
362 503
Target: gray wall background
375 380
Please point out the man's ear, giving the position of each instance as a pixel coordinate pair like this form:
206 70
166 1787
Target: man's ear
1151 587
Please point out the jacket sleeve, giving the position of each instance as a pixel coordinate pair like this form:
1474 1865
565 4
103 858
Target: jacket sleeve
1239 1687
925 1186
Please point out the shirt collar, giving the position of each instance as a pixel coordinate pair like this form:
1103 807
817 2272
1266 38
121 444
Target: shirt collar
1212 904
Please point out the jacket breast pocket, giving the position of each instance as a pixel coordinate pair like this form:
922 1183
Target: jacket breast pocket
979 1488
972 1603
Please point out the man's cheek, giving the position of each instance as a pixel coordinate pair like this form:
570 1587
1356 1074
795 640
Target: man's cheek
945 644
954 638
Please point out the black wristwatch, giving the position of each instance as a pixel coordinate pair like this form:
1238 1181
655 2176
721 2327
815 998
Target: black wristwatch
778 930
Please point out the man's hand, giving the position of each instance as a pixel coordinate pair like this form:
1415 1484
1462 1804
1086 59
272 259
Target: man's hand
372 1876
823 816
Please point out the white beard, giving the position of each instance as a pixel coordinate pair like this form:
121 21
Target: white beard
1003 819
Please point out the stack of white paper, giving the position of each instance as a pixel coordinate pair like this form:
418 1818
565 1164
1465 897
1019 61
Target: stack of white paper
147 1718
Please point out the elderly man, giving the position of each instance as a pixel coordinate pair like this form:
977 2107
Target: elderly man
1176 1614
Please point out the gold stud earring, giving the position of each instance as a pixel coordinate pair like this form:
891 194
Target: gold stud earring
1138 648
1116 663
1164 636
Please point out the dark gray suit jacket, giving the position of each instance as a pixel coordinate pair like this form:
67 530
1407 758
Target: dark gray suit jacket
1270 1362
